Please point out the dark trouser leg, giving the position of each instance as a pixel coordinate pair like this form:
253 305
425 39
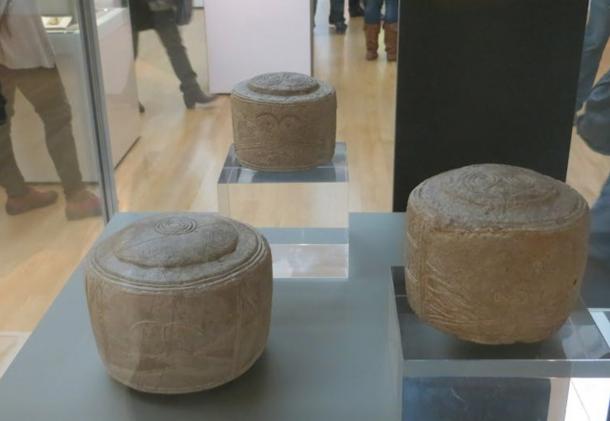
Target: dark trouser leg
10 175
135 38
337 9
44 89
165 25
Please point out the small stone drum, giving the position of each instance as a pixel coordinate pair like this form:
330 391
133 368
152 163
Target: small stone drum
180 303
284 122
495 254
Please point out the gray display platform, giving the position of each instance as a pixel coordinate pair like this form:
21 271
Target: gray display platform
333 352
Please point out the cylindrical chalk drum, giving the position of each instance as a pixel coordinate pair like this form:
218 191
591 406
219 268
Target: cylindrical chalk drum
284 122
495 253
180 303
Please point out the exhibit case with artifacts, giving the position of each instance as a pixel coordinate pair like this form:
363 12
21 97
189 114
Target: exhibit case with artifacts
324 334
285 150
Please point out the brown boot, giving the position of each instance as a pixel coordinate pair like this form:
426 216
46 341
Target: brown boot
391 40
33 199
371 31
82 204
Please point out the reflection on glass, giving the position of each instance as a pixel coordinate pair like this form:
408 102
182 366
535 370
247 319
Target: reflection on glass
164 16
27 64
47 166
592 122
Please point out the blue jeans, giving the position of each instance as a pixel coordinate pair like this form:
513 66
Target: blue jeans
599 239
372 12
594 127
596 38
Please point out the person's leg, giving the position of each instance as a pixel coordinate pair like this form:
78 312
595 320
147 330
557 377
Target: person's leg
11 178
596 38
372 27
44 89
594 128
355 10
599 238
337 16
372 13
21 197
390 29
135 38
391 11
166 28
594 124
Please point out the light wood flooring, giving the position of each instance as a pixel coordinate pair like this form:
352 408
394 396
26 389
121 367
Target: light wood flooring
175 164
181 152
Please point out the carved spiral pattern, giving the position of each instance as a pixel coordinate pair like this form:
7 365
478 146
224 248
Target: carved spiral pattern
283 84
178 225
499 190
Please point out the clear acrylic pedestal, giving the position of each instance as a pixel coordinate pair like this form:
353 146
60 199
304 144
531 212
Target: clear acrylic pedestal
445 376
311 208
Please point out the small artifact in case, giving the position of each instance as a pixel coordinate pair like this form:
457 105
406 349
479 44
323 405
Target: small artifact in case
284 122
180 303
495 253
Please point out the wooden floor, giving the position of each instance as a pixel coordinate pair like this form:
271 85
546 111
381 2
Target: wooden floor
181 152
175 164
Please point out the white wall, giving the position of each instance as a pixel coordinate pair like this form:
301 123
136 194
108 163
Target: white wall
246 38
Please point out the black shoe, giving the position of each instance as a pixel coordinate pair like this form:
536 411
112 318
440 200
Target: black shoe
197 96
356 12
141 108
340 27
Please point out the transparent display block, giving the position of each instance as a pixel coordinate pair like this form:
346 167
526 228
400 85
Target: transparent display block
311 207
577 349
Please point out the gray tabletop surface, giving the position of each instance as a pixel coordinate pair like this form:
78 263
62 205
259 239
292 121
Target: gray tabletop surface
333 352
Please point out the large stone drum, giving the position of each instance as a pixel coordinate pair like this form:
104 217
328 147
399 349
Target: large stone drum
284 122
180 303
495 254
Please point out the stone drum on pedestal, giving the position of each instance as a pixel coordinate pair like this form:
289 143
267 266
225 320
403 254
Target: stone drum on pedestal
495 254
284 122
180 303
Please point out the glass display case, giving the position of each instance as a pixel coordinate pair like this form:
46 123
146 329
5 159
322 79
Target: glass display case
131 83
311 207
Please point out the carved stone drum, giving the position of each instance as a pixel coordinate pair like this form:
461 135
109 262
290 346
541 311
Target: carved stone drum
284 122
180 303
495 254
